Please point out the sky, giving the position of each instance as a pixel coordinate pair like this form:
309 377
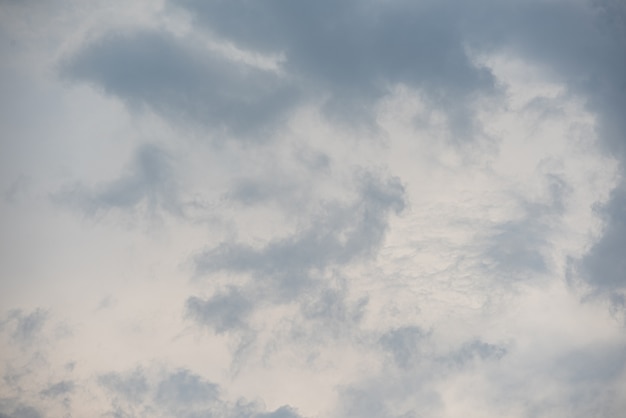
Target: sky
301 209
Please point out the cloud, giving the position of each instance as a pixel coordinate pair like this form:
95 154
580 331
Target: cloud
356 51
411 347
523 247
282 412
353 54
180 393
131 386
604 263
341 234
149 180
331 307
581 44
223 311
27 326
296 268
251 191
22 411
603 267
403 343
183 81
347 310
182 388
477 349
360 403
57 389
348 55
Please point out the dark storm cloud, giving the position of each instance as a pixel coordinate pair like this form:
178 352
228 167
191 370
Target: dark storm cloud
182 81
337 237
149 179
224 311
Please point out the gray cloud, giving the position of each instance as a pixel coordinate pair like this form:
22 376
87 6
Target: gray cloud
368 403
582 44
342 234
296 267
26 326
22 411
476 350
596 363
251 191
588 376
132 386
403 344
604 266
57 389
181 394
282 412
521 248
183 390
223 311
183 81
412 388
331 307
518 247
353 52
149 179
356 50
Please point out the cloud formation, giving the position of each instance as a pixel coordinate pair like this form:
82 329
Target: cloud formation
367 208
179 393
181 80
149 180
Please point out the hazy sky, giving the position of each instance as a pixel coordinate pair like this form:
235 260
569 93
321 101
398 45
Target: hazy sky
301 209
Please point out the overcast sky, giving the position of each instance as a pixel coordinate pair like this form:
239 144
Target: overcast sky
313 209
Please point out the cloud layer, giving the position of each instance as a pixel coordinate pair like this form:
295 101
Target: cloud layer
314 209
